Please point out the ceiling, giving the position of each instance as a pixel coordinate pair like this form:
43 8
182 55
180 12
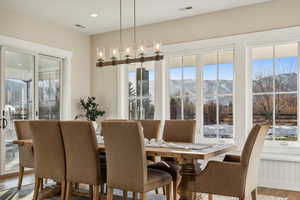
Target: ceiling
70 12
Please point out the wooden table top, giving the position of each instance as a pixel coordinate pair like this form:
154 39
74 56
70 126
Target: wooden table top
210 150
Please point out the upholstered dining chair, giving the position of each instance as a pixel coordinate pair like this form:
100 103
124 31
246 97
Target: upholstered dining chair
126 160
49 154
151 128
175 131
26 157
236 175
83 164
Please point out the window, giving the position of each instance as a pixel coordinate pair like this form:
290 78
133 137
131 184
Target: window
141 86
49 85
182 87
275 90
218 94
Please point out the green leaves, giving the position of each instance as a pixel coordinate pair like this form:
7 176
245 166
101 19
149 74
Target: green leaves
91 109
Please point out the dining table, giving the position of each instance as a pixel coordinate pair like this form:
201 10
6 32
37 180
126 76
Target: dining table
185 155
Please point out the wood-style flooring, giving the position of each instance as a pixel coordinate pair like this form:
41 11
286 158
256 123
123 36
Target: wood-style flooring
29 179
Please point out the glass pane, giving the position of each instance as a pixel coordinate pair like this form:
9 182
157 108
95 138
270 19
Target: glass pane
132 109
175 84
286 67
225 117
49 88
263 111
18 100
286 117
189 107
189 81
140 73
148 108
131 80
175 108
210 69
262 69
210 117
225 72
148 77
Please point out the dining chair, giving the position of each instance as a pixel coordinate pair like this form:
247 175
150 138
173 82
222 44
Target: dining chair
235 176
182 131
83 164
126 161
151 128
26 157
49 154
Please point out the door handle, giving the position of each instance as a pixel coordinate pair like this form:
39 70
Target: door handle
4 122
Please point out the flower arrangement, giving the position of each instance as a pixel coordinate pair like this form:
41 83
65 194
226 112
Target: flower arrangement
90 108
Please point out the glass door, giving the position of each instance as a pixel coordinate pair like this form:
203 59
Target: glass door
17 101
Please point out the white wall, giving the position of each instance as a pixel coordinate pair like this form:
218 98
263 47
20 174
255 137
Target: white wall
265 16
41 32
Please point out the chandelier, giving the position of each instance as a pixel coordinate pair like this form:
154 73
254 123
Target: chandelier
127 55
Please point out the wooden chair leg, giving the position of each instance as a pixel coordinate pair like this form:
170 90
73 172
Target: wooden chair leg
169 191
109 193
210 197
36 188
96 194
68 191
156 191
76 186
134 195
21 174
42 185
175 190
91 191
164 190
144 196
124 194
63 190
254 194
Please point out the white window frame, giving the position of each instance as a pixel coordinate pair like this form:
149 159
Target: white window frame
270 145
181 96
242 109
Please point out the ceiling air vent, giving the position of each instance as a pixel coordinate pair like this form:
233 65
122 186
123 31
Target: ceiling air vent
80 26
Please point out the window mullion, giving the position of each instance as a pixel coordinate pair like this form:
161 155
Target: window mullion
217 97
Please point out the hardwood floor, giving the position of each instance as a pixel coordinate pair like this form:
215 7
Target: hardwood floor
29 179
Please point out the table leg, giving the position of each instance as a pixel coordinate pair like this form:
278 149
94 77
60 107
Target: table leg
189 169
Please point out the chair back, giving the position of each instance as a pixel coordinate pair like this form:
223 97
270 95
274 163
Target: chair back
151 128
82 160
179 131
48 149
251 155
125 155
23 132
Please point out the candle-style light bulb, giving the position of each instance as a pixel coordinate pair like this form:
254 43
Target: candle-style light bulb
142 50
128 51
157 47
114 52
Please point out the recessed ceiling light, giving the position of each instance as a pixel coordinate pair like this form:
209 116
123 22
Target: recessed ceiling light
19 64
186 8
94 15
